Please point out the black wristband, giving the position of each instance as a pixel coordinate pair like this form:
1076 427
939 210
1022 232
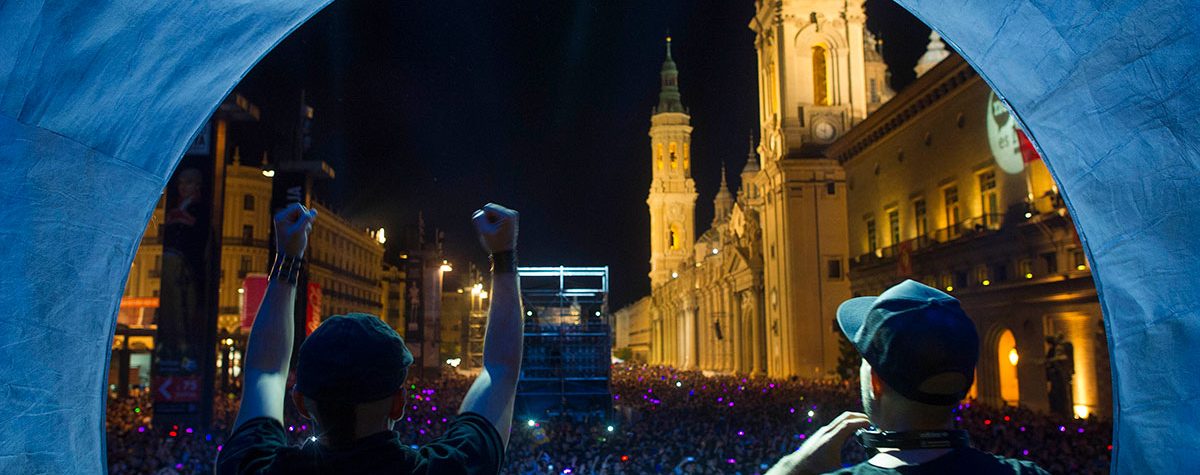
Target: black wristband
286 268
504 262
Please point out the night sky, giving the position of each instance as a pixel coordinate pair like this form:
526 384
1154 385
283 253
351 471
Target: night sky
443 106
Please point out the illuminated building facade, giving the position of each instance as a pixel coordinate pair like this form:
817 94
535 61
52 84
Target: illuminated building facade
941 190
346 262
245 247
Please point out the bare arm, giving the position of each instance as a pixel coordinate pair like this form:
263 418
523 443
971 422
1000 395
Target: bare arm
269 350
493 393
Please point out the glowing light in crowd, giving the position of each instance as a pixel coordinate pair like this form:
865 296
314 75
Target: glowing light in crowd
531 423
811 413
610 428
454 362
678 384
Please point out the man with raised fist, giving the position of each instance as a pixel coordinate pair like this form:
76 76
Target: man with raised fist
350 376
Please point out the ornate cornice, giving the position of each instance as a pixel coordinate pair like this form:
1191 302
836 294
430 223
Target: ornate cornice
949 76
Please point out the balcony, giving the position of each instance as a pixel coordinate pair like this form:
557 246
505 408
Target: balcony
963 230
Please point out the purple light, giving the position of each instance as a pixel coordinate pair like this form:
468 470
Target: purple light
219 447
1025 452
443 419
189 430
791 410
291 428
434 408
741 433
958 418
304 427
720 399
730 403
142 429
1022 428
732 461
422 431
566 470
414 407
772 385
616 396
802 436
178 466
1080 430
1062 429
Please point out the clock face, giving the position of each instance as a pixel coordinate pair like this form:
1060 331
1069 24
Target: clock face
824 130
1002 136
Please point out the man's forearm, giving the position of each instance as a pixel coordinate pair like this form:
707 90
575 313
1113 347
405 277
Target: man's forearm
269 349
502 344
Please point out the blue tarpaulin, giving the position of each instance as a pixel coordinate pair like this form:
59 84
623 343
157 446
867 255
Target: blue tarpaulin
1109 91
98 100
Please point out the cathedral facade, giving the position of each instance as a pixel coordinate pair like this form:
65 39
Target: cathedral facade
757 292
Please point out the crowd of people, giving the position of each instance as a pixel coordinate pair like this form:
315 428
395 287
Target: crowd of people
663 421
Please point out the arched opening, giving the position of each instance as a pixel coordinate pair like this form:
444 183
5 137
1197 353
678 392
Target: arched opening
1008 358
820 68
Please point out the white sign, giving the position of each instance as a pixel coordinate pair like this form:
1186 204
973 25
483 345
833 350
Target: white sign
1002 136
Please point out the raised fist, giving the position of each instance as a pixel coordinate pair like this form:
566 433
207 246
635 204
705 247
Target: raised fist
497 228
292 225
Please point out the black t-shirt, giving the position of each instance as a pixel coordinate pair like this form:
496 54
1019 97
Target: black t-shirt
964 460
259 446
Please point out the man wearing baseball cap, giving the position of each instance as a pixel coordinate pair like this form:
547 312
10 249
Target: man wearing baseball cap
919 353
350 376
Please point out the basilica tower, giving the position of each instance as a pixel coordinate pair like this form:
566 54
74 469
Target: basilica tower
819 75
672 198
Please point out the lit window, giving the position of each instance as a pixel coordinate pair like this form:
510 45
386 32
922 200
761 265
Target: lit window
820 65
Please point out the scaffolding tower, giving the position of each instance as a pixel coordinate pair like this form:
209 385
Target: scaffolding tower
567 362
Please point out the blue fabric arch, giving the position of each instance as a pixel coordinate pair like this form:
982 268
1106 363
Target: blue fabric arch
1109 92
97 102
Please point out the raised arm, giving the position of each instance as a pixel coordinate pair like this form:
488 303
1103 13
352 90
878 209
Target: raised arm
494 391
269 350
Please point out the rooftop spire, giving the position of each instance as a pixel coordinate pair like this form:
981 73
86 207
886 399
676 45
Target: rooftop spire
934 54
668 97
723 202
751 159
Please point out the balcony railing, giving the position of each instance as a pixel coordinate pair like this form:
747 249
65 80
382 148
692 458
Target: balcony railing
968 228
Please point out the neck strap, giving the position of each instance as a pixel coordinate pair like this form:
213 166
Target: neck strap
911 440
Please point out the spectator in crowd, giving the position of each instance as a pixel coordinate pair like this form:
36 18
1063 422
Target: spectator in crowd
919 353
350 376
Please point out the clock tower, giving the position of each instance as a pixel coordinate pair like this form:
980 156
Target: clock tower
672 198
820 73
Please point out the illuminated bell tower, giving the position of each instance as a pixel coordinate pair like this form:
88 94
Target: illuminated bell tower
672 199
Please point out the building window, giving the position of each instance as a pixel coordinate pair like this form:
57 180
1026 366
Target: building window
660 156
872 242
874 90
248 233
820 65
894 226
673 237
834 266
1050 259
831 188
988 199
674 161
920 218
952 216
248 202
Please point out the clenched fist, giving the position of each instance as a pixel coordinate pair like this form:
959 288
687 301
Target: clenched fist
497 228
292 225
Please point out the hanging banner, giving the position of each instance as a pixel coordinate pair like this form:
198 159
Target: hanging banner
312 316
186 317
254 288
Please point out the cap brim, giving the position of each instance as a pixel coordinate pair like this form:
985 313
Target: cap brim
852 313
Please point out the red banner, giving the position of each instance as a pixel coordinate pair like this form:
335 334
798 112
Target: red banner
1028 152
904 259
254 288
313 317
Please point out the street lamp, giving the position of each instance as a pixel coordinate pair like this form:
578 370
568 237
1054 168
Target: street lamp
445 266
